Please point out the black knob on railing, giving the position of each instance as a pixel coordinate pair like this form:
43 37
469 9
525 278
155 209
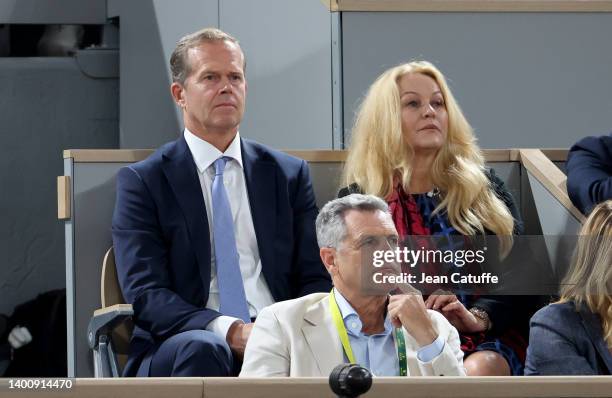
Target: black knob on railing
350 380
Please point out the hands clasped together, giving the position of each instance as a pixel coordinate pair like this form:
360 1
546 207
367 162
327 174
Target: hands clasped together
455 312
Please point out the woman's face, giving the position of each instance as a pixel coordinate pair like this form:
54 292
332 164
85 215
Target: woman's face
424 117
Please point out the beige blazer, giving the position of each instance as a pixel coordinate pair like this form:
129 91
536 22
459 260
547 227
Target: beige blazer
298 338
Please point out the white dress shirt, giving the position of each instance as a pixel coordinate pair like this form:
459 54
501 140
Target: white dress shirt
255 287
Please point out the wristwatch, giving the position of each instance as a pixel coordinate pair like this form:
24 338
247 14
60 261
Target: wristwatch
483 316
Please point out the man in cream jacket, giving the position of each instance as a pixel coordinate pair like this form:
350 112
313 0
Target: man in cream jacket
392 335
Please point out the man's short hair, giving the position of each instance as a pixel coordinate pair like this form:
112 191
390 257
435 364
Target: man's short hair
331 228
179 63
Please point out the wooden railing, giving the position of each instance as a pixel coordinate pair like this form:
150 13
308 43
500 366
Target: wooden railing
317 156
433 387
549 175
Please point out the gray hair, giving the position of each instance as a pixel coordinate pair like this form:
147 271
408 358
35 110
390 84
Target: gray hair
331 228
179 65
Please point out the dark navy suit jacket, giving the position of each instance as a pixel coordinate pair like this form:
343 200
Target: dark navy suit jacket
589 172
162 243
566 341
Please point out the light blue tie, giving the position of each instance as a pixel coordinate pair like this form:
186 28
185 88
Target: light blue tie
231 289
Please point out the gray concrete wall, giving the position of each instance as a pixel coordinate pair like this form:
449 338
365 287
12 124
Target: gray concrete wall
46 106
288 49
52 11
522 79
149 29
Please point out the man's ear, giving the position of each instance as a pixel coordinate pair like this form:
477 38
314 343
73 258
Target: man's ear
328 256
176 89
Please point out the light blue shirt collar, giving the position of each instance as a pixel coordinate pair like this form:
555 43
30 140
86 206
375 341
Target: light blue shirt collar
351 319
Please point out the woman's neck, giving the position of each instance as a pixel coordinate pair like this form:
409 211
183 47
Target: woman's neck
420 178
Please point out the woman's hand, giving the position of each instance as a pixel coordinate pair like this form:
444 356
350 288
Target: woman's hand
455 312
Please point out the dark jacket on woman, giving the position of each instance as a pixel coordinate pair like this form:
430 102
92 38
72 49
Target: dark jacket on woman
564 340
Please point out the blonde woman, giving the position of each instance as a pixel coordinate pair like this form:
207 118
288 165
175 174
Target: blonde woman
412 146
574 335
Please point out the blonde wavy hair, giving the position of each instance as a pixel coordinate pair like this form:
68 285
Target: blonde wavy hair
379 155
589 279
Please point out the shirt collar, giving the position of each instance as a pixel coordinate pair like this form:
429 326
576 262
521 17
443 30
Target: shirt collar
350 316
204 153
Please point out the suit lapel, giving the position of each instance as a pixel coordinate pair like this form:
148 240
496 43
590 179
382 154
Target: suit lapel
260 176
592 325
322 337
182 175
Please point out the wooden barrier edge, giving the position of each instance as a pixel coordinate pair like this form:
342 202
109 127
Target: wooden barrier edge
63 198
553 179
316 156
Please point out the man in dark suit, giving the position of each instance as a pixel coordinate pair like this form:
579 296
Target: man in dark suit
589 172
211 228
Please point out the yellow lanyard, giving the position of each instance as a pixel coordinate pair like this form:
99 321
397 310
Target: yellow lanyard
346 344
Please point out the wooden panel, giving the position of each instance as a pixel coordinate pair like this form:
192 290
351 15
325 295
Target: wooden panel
116 307
63 197
417 387
553 179
332 5
107 155
497 155
320 156
556 155
313 156
129 387
383 387
110 292
470 6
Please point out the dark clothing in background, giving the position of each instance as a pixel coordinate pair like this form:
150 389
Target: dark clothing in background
45 319
589 172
